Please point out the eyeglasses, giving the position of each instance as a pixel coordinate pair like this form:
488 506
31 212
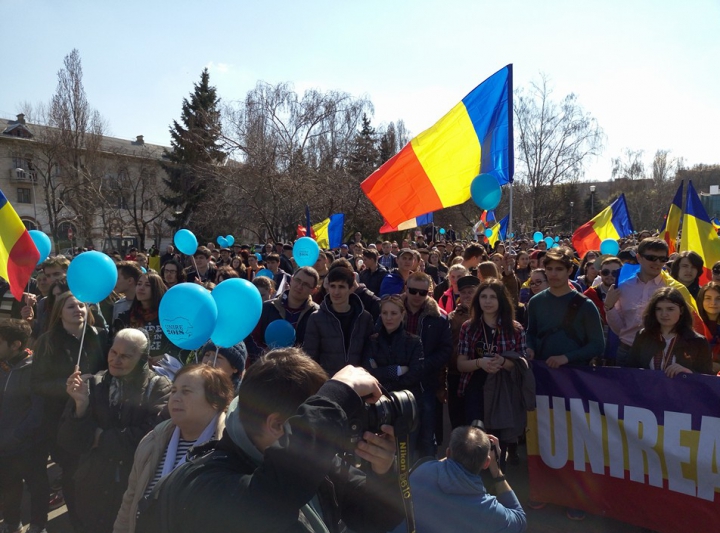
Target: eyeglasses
608 271
655 258
304 284
170 271
537 283
414 292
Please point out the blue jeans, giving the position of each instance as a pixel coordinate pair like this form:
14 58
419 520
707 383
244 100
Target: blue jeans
426 437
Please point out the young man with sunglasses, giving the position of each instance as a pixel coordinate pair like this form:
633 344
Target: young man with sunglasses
624 305
426 320
608 268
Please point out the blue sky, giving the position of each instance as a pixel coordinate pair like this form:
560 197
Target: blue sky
647 70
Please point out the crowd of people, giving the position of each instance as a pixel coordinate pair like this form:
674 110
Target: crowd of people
152 438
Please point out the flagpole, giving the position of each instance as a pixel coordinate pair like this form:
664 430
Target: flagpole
510 226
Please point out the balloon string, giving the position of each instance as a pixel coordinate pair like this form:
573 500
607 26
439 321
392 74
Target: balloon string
196 268
215 360
82 339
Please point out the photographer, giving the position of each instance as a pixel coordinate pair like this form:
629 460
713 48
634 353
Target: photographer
449 495
277 466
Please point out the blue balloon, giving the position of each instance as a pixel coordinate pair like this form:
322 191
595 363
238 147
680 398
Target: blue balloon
188 315
265 273
92 277
609 246
186 242
549 241
488 233
144 270
306 252
239 306
557 239
442 231
555 245
537 236
259 257
279 334
42 243
486 191
512 235
222 242
230 240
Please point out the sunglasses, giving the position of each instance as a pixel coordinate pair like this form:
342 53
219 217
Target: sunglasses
607 271
414 292
655 258
716 270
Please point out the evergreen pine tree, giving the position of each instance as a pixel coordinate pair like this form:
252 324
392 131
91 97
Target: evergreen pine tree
195 150
364 157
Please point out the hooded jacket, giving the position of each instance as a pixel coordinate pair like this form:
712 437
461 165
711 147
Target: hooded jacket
21 410
325 340
447 497
300 480
434 331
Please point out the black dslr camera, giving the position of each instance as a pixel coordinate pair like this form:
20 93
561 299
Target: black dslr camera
398 409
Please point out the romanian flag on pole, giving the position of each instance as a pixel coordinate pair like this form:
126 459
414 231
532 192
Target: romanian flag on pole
499 231
698 234
669 231
329 232
435 169
18 254
613 222
408 224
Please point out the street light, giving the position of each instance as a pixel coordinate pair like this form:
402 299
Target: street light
572 204
592 200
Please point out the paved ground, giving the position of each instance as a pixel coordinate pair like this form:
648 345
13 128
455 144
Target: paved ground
548 520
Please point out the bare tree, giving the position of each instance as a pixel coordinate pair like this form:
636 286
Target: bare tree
75 135
292 151
554 140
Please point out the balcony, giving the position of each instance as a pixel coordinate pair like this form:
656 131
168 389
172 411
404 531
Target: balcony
20 175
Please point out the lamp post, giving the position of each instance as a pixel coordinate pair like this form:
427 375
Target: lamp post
572 204
592 200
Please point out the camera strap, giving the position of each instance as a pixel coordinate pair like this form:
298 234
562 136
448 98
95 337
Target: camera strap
402 447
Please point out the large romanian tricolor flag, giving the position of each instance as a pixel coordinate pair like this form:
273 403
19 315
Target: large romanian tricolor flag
613 222
18 253
699 234
408 224
435 169
669 231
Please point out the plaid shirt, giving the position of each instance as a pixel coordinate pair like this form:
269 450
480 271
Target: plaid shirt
472 345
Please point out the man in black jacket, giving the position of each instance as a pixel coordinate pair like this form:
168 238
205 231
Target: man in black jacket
23 454
425 319
374 272
277 466
294 305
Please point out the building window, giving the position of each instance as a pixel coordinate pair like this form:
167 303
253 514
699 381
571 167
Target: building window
23 196
29 224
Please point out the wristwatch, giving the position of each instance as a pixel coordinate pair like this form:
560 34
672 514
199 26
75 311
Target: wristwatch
499 479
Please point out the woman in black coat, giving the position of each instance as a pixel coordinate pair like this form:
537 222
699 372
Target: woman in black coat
668 342
54 358
395 357
110 414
